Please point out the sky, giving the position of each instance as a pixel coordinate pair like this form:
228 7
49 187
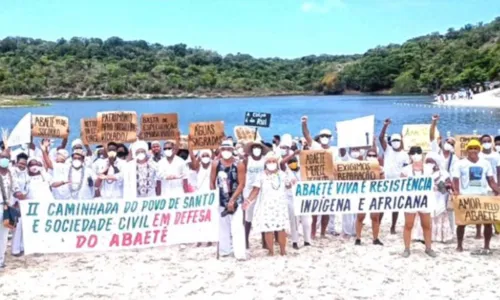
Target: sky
261 28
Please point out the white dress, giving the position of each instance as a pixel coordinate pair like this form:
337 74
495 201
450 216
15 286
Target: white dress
271 208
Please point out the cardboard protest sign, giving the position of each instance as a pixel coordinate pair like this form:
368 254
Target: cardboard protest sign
206 135
352 197
360 170
356 132
104 225
257 119
89 133
116 126
471 210
50 126
245 134
461 141
418 135
316 165
160 127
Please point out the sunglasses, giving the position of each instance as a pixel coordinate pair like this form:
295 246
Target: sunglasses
325 135
371 155
167 149
474 148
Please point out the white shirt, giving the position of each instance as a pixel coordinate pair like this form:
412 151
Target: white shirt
445 161
254 168
494 159
79 188
39 187
473 176
203 178
177 168
10 188
112 189
394 162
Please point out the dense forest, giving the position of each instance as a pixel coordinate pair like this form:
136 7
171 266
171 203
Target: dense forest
91 66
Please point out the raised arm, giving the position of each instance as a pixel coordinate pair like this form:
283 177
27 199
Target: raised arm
305 131
432 131
213 176
381 137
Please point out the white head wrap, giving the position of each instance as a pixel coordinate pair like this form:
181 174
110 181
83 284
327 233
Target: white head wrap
77 142
63 152
271 155
286 140
138 146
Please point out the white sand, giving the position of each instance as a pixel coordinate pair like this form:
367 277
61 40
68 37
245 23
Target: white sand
487 99
332 268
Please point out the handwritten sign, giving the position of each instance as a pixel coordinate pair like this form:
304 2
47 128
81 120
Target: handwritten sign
257 119
417 135
316 165
118 127
350 197
362 170
206 135
356 132
245 134
471 210
159 127
49 126
461 142
88 133
104 225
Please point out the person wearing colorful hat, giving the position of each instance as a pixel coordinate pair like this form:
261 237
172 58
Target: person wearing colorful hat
473 175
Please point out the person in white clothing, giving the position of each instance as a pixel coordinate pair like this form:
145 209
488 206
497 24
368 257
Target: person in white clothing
472 176
271 210
293 174
21 178
395 159
254 165
77 180
78 145
416 169
173 171
109 183
229 176
58 170
325 139
9 194
140 174
491 156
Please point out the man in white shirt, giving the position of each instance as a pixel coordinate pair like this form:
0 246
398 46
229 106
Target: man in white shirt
76 181
173 171
472 176
491 156
395 159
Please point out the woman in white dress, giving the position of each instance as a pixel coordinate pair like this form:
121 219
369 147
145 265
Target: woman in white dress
441 229
271 211
416 169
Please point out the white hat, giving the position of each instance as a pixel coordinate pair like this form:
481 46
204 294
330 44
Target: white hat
155 143
34 158
227 144
286 140
325 132
77 142
396 136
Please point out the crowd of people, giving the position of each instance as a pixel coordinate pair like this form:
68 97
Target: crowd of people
255 181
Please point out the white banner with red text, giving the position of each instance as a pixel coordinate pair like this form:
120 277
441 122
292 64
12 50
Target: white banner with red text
103 225
352 197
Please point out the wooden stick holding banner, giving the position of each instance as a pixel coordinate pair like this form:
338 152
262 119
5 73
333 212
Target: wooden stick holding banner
256 132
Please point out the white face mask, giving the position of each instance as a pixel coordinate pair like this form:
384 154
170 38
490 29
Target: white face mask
355 154
497 148
141 156
487 146
256 152
226 154
448 147
395 145
324 140
205 160
34 169
416 157
272 166
76 163
169 153
284 152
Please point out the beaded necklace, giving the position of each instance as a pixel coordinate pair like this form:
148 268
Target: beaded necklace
74 191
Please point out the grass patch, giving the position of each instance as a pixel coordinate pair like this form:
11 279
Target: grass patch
8 102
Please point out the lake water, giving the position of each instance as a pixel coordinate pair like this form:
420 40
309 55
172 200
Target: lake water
323 112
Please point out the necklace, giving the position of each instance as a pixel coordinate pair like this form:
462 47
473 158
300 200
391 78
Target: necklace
144 183
73 191
273 180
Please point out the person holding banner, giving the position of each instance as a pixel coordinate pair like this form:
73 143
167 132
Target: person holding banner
173 171
472 176
395 159
254 166
271 210
416 169
305 220
228 175
109 182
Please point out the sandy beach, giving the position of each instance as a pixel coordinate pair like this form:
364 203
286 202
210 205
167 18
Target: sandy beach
333 268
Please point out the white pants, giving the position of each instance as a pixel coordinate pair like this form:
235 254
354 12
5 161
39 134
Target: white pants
331 224
451 217
4 238
249 212
232 234
306 222
17 239
349 224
